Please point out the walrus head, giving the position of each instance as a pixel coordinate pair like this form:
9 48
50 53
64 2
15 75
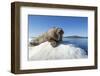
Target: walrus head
55 34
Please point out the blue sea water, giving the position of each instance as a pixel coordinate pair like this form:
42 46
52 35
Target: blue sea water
78 42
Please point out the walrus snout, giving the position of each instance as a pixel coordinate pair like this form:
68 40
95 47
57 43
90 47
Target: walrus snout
60 33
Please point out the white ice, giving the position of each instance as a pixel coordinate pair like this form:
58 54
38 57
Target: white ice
45 51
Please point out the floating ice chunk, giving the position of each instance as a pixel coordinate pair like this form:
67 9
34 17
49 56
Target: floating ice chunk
45 51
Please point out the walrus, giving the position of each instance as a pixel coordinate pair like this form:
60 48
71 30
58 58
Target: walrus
53 35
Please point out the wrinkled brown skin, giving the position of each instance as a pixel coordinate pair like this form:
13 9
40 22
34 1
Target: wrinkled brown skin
53 35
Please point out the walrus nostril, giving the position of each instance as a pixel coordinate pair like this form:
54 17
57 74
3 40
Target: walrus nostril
61 32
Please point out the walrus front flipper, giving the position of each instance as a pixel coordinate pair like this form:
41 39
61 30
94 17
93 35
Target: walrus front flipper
54 43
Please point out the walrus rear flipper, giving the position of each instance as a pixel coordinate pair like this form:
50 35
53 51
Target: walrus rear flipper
34 43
